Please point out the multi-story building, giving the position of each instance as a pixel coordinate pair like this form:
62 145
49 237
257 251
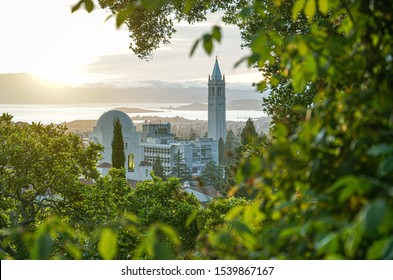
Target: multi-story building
152 132
196 153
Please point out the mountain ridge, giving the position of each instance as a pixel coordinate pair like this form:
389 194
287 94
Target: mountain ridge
23 88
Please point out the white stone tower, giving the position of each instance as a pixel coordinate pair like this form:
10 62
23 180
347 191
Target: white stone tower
216 104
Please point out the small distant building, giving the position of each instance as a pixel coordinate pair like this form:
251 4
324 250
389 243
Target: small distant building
203 194
136 166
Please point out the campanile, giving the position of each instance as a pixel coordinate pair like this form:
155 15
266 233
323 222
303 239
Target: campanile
216 104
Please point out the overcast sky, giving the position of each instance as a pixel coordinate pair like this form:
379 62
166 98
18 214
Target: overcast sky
44 38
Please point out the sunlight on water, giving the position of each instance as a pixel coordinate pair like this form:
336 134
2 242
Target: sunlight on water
69 112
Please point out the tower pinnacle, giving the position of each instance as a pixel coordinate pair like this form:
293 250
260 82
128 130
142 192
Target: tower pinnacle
216 75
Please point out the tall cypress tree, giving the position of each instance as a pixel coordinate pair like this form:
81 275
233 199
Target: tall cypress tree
249 134
180 169
118 156
158 168
221 151
229 148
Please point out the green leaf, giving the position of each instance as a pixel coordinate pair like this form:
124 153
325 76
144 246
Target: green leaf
42 246
262 85
346 26
234 213
255 57
329 244
303 48
170 233
107 246
310 9
162 252
191 218
188 6
311 66
297 8
121 17
216 33
299 80
374 215
323 6
245 12
76 6
252 214
386 166
278 3
349 186
241 228
89 5
73 250
196 43
381 149
381 250
153 5
208 43
274 80
354 239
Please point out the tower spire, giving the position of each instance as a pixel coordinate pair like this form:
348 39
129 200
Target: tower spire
216 75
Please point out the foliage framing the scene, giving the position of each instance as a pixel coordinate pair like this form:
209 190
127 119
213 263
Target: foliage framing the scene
324 183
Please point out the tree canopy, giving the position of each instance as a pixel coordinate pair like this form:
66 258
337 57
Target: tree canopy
40 167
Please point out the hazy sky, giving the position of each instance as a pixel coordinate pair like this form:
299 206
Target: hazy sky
44 38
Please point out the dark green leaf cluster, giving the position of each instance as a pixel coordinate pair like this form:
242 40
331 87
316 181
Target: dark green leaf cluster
40 167
324 192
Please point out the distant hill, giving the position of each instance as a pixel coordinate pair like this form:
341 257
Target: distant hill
242 104
190 107
245 104
135 110
25 89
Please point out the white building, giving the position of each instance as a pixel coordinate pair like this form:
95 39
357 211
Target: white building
216 104
196 153
159 142
136 167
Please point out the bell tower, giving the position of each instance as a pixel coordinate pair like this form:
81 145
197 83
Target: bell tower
216 104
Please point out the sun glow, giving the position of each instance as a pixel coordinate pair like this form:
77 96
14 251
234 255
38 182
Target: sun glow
45 39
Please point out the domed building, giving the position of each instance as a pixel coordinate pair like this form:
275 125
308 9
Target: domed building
136 167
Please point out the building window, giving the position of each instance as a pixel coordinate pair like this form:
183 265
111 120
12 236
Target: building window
131 163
